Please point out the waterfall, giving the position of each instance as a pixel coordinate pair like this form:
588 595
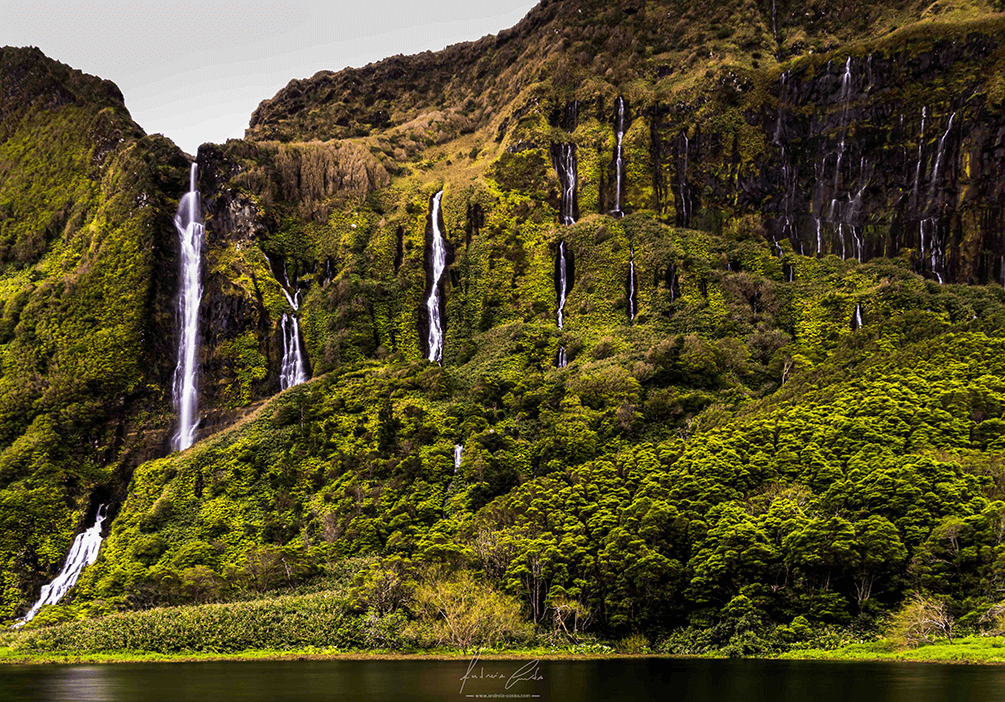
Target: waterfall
619 128
633 304
458 452
938 161
83 553
685 210
921 144
818 235
292 371
845 97
563 282
434 301
188 222
563 291
857 321
564 158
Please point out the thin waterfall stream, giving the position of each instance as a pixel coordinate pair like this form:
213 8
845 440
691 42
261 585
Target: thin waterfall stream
434 301
563 291
619 131
191 233
632 290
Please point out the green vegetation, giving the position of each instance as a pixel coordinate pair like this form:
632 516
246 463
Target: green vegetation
741 470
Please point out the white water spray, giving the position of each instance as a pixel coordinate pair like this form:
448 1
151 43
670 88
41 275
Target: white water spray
439 252
858 316
83 553
188 222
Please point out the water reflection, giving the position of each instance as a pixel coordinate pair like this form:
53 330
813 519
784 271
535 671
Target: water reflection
614 680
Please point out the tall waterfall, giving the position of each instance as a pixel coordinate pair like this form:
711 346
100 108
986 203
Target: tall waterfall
619 130
633 305
433 302
563 291
188 222
292 371
563 283
857 320
564 157
83 553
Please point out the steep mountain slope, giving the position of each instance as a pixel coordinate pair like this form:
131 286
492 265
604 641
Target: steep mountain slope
85 334
739 401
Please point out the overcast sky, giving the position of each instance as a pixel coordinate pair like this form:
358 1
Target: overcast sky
196 72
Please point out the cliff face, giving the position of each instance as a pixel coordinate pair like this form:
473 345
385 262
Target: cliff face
883 149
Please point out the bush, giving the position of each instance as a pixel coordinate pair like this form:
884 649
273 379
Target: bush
285 623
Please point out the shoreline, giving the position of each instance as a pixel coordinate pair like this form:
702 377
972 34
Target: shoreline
922 655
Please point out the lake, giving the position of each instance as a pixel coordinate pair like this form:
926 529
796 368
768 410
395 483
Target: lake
686 680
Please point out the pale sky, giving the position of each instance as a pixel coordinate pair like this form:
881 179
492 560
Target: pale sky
196 72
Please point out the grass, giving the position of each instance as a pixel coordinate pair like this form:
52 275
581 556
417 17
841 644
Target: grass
971 649
10 656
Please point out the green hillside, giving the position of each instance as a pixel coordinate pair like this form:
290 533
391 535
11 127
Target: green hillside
800 428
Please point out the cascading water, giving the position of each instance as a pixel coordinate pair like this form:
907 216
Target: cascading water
921 144
845 97
563 290
83 553
433 302
563 273
188 222
619 130
292 371
458 453
938 160
857 320
632 291
565 167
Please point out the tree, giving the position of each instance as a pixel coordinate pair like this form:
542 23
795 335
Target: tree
465 612
920 620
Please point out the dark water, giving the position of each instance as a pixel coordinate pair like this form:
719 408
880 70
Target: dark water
651 679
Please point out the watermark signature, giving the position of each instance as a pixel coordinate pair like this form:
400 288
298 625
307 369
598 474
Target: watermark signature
529 672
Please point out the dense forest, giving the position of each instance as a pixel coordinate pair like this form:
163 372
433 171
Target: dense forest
723 341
